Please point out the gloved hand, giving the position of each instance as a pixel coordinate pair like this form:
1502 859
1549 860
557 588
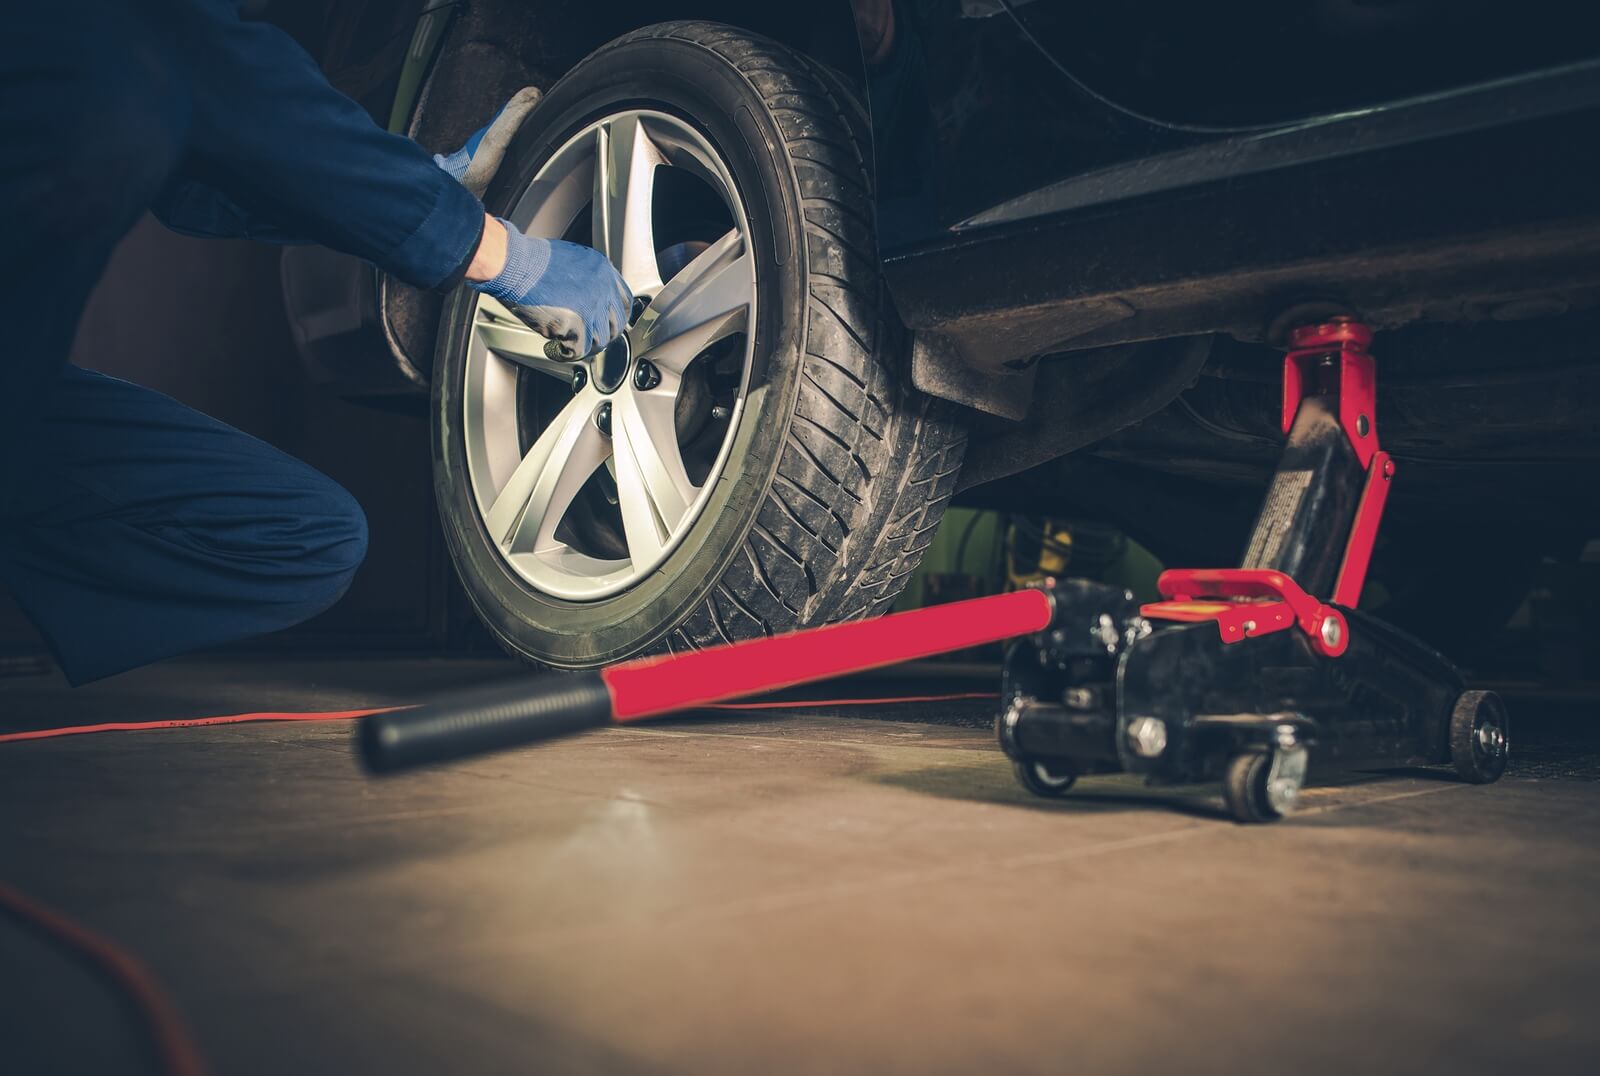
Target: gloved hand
569 294
474 164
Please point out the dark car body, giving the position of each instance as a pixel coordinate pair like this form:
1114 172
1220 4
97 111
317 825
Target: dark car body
1097 214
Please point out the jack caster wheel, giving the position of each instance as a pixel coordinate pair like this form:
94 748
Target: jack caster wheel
1479 737
1053 780
1263 786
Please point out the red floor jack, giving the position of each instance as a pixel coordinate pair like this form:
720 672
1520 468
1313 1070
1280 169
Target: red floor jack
1238 675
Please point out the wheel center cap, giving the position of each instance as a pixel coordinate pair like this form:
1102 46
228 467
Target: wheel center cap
611 365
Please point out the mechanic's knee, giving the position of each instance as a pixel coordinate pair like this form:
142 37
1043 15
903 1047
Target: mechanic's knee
332 533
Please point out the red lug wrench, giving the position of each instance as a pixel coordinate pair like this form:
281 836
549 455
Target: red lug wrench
526 711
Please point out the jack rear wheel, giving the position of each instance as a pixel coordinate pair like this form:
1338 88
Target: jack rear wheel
1042 780
1479 737
1263 786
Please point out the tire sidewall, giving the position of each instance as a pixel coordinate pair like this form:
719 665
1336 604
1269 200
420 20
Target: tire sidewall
703 88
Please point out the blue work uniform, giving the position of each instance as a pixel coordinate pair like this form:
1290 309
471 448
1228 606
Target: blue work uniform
131 527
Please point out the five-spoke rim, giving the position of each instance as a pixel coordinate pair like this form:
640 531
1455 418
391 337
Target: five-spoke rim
618 446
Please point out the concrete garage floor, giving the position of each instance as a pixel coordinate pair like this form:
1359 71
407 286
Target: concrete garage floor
782 893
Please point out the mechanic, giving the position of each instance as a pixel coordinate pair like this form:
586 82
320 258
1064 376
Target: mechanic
133 528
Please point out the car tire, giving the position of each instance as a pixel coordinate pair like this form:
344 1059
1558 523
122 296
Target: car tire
839 470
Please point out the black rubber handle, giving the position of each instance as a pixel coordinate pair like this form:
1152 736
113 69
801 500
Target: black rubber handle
488 718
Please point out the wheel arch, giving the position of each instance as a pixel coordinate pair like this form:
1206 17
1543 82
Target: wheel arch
538 41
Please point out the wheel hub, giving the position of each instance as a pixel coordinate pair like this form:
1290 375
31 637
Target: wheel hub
610 367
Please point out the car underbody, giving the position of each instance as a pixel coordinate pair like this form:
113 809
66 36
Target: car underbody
1371 221
1104 297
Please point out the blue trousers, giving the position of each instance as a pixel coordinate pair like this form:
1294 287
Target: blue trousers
131 527
143 529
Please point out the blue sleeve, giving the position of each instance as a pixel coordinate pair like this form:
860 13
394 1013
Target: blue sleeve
193 208
274 152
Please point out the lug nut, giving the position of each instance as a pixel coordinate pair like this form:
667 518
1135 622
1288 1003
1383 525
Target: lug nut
580 378
645 376
639 305
1147 736
602 419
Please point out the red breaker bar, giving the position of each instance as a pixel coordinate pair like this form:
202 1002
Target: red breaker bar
525 711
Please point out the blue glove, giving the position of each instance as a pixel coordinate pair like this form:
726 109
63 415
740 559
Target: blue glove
474 164
569 294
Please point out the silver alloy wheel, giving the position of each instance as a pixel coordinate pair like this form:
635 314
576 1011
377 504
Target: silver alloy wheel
622 423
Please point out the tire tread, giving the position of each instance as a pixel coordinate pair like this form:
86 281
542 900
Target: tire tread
869 464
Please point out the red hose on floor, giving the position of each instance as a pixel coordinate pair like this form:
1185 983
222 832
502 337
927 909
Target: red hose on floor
179 1056
817 704
187 723
350 715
